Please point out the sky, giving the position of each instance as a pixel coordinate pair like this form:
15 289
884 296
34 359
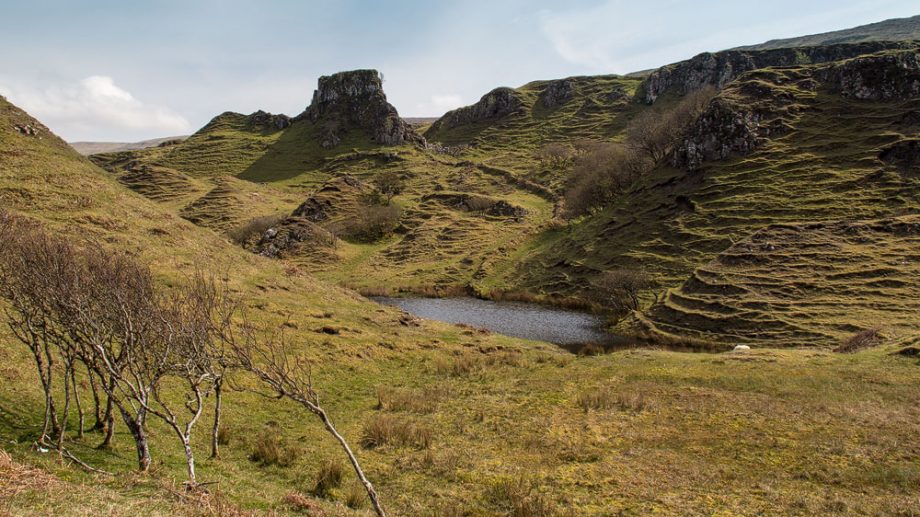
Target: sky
129 70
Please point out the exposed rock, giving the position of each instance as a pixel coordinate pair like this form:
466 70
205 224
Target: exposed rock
355 100
26 129
262 120
720 68
904 154
292 236
722 130
498 103
886 76
557 93
322 204
476 203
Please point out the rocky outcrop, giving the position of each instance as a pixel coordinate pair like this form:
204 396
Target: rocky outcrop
355 100
880 77
295 236
720 68
904 154
498 103
261 121
557 93
327 202
722 130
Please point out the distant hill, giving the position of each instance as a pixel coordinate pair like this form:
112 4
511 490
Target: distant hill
88 148
897 29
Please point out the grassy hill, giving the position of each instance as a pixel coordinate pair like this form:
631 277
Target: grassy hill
505 426
897 29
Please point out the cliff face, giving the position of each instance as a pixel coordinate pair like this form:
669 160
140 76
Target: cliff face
355 100
760 104
720 68
497 103
889 76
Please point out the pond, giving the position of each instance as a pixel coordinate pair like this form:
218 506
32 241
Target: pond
517 319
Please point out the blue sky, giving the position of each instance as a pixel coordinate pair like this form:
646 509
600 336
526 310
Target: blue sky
128 70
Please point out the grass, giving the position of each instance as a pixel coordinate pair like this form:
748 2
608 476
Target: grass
461 422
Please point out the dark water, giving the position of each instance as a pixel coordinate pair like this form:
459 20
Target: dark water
517 319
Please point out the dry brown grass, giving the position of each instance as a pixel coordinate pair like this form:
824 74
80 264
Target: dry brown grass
383 429
355 497
18 478
271 448
421 401
300 503
328 477
520 497
861 340
606 398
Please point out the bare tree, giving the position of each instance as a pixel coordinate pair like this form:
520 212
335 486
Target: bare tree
290 377
655 132
619 289
555 155
390 184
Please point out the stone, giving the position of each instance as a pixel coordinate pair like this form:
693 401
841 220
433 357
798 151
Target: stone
741 348
719 68
355 100
496 104
557 93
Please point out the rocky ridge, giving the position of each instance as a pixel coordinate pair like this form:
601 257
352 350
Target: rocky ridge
355 100
719 68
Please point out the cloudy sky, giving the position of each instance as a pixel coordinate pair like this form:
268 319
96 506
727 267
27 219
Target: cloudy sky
125 70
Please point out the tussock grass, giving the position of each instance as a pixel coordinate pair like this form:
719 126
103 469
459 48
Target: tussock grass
328 477
420 401
272 448
384 429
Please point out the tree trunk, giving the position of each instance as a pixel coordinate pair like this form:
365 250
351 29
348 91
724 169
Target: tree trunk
63 426
371 493
100 422
76 399
136 427
189 461
215 430
108 418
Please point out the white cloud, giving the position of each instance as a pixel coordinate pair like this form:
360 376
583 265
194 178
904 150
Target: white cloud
95 107
438 105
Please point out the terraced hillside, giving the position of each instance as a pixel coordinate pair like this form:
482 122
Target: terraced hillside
449 420
817 157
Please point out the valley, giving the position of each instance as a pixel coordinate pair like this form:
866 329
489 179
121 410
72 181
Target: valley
528 306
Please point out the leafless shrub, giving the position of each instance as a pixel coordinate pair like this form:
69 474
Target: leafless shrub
389 184
271 362
619 290
254 228
555 155
302 504
372 222
861 340
602 173
656 132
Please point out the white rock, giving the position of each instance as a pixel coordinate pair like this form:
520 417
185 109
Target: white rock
741 348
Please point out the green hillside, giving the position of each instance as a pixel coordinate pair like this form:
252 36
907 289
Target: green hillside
787 218
898 29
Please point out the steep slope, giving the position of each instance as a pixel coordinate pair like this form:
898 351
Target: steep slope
720 68
779 145
897 29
